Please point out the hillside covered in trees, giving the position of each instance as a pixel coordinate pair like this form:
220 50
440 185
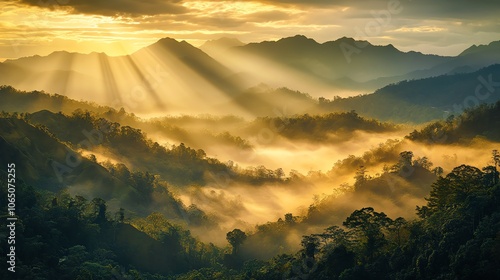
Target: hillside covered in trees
456 230
481 122
104 200
454 236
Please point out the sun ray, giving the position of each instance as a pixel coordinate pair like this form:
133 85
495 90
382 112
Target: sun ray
108 78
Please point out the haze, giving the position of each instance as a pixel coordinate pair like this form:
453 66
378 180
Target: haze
30 27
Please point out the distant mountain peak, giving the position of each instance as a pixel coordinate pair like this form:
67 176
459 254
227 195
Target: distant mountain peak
225 41
221 44
298 38
469 50
391 46
493 46
61 52
174 46
345 39
350 41
167 40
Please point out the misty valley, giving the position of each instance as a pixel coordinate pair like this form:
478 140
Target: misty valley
272 160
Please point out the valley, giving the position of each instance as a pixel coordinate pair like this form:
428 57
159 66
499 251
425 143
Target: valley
169 143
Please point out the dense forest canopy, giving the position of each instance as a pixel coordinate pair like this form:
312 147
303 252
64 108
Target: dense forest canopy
456 233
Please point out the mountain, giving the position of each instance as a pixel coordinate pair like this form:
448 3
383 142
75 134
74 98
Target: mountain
491 48
48 164
170 52
167 75
263 100
479 122
331 60
328 128
339 59
470 60
175 77
216 48
197 75
346 66
179 165
14 100
423 100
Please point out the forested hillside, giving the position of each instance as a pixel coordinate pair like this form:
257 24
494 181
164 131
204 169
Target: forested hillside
423 100
454 236
480 122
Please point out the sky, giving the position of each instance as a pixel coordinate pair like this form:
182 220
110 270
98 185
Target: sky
117 27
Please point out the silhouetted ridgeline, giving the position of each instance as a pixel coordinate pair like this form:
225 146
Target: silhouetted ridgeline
14 100
419 101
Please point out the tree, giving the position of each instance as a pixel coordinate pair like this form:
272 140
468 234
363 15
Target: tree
335 236
453 190
396 227
490 175
99 209
360 176
405 158
290 219
368 225
121 215
405 164
236 237
438 171
496 161
423 162
310 244
279 173
93 158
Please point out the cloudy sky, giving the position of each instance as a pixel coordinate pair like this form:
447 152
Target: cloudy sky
446 27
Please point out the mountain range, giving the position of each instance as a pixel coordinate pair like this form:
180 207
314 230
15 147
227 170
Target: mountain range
221 76
102 191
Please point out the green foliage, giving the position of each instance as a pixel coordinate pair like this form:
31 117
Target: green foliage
478 122
368 226
457 236
236 237
179 165
333 127
422 100
29 102
78 241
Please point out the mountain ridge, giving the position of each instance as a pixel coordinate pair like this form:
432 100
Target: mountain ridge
178 76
